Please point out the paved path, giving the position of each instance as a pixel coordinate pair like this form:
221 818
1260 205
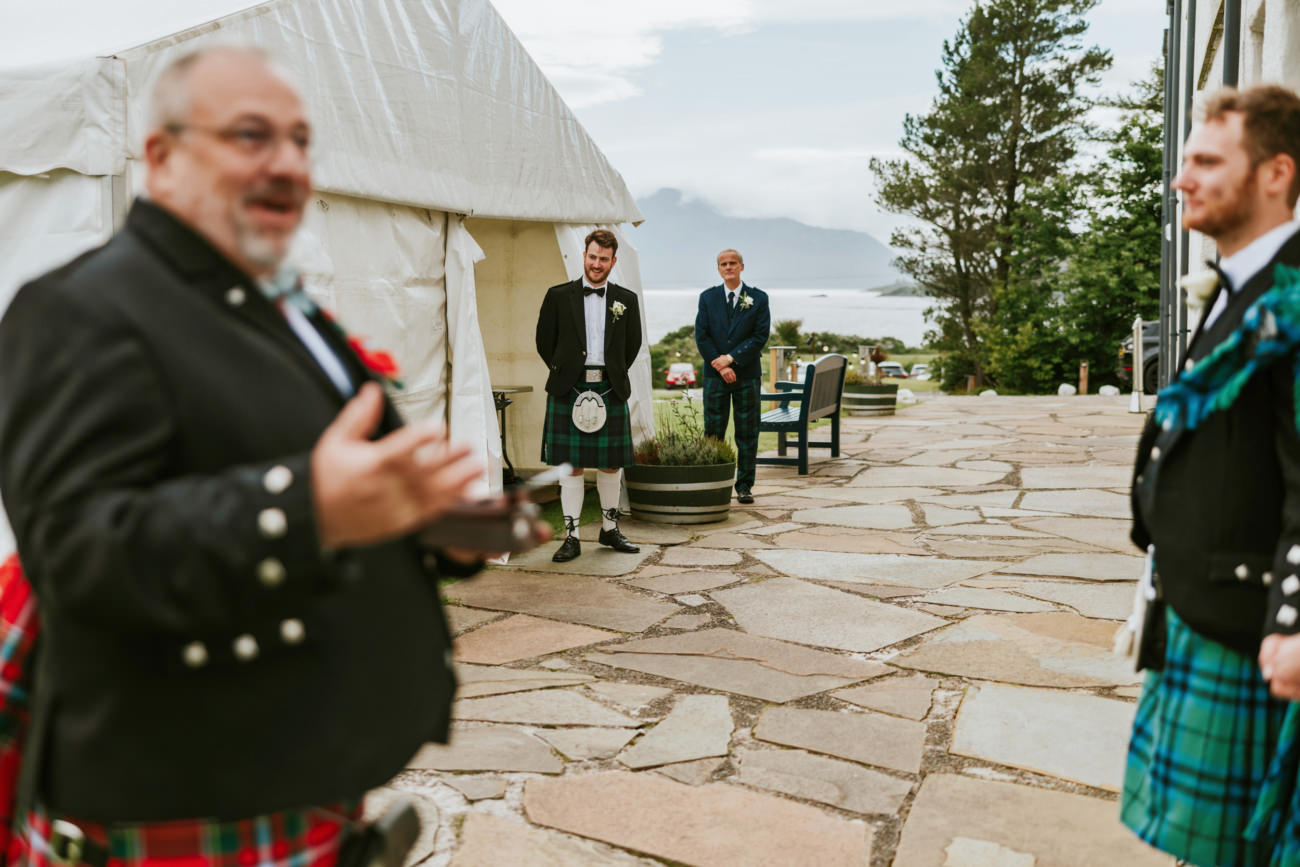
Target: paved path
899 659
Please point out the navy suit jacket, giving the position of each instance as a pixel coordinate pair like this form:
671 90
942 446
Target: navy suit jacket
742 334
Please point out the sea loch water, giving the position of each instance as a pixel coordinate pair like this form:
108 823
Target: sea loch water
840 311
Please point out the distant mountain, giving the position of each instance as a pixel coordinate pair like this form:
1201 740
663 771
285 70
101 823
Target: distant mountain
679 241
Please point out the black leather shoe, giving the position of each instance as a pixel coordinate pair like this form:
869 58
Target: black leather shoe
744 496
616 540
569 550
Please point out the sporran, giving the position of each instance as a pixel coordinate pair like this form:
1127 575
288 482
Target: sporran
589 412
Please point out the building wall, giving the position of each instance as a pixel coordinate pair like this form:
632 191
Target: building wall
522 260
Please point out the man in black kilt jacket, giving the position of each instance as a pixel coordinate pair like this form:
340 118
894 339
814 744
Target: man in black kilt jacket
588 333
1215 751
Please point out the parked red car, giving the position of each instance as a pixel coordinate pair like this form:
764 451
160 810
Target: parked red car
681 374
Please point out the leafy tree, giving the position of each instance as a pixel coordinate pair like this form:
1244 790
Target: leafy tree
786 332
1009 118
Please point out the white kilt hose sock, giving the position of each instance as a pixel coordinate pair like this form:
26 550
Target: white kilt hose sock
608 487
572 489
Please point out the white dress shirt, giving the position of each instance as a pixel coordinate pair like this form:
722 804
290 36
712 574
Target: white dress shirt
1242 266
594 308
731 294
318 348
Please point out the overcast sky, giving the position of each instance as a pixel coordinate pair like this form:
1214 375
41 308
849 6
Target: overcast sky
763 107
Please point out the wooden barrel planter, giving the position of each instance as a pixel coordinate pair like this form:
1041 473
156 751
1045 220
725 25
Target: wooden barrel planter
680 495
870 399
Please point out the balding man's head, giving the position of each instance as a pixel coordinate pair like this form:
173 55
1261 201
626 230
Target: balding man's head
227 152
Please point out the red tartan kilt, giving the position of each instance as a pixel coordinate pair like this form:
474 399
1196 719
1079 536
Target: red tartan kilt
19 625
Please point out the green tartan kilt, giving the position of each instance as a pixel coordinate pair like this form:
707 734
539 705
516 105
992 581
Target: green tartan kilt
1203 741
609 447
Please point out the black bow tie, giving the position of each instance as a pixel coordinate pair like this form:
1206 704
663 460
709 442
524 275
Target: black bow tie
587 290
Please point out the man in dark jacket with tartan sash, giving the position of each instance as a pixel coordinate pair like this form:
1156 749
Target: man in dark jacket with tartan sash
588 334
1214 757
217 509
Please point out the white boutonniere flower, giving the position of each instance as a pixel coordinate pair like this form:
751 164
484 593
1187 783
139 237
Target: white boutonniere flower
616 310
1199 287
746 302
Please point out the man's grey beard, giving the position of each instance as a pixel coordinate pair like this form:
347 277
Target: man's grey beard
259 250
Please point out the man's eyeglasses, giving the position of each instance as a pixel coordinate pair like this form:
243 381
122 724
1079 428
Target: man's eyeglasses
253 139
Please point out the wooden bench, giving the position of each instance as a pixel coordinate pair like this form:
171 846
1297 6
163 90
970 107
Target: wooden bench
818 396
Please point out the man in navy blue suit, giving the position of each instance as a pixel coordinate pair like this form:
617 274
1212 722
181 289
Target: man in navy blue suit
731 330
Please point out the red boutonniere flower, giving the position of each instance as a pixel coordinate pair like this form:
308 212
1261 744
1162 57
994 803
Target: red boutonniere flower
376 360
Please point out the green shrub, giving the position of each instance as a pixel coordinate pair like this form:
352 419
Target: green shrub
679 440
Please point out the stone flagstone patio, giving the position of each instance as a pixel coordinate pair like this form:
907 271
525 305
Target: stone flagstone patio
901 658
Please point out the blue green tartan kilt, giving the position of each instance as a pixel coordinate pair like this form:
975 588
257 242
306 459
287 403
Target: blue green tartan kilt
1203 746
609 447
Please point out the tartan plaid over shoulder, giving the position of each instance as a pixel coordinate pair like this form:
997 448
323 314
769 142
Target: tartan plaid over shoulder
19 626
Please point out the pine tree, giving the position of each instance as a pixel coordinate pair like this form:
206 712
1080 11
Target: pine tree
1008 119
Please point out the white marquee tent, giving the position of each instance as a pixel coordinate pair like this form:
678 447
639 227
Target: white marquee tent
453 186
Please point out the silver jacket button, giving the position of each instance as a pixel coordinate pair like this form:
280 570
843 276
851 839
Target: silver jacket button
272 523
1242 572
1155 453
1286 615
1291 585
195 654
292 631
1293 555
270 572
245 648
235 296
277 479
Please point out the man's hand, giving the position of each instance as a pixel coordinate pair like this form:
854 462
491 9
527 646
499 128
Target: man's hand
722 362
728 375
1279 662
367 492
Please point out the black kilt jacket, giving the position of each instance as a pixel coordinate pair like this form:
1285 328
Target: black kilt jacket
562 337
1222 502
200 655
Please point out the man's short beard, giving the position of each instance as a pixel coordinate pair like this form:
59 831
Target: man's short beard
1234 213
260 250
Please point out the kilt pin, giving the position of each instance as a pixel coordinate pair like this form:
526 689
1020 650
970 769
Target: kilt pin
1214 759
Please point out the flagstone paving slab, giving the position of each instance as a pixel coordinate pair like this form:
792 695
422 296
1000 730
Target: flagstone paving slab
477 788
992 498
522 636
685 582
965 852
550 707
460 618
1058 829
735 521
686 621
692 600
1092 567
571 598
714 825
961 548
730 541
906 696
945 458
699 727
1102 532
695 773
773 529
1108 601
1025 728
877 591
942 477
477 681
870 495
580 744
640 532
595 560
1076 477
732 661
988 529
1090 503
939 516
990 600
628 695
817 778
488 748
804 613
869 738
699 557
488 840
1053 649
847 541
862 517
910 571
991 466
